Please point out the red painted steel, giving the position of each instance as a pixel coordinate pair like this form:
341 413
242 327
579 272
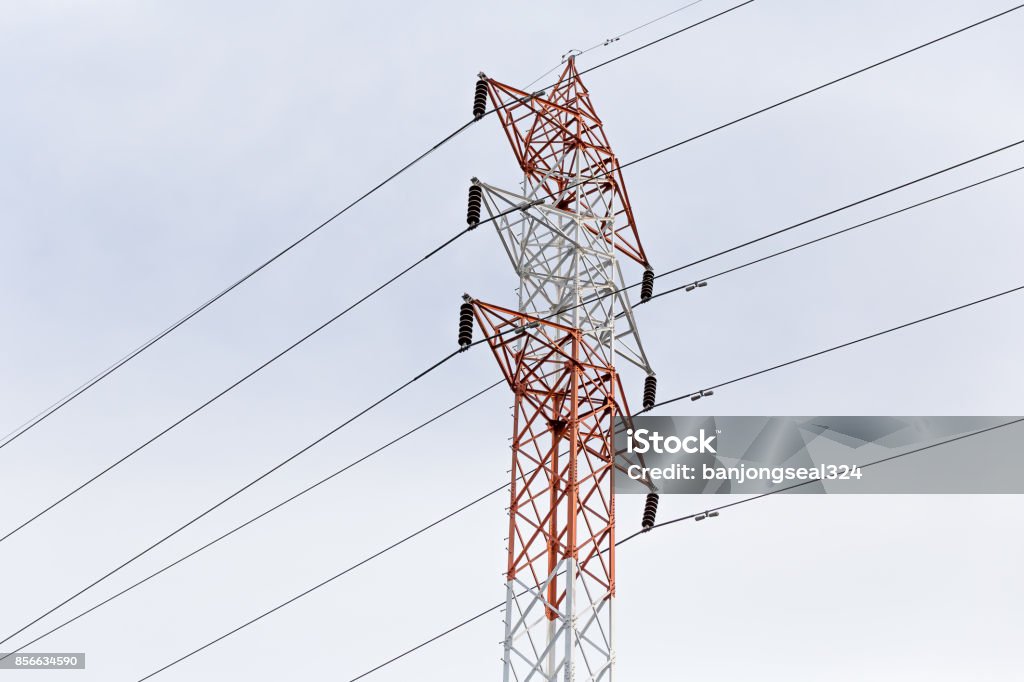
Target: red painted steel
562 502
550 135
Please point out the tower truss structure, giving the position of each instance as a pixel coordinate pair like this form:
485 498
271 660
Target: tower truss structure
565 235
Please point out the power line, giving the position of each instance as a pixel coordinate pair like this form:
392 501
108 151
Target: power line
665 523
511 210
676 289
845 207
480 615
697 394
792 98
287 460
332 578
664 37
72 395
613 39
429 641
233 530
660 294
500 604
836 233
662 403
825 85
798 485
664 293
665 402
267 363
802 223
245 487
631 163
54 407
876 335
239 382
787 100
642 26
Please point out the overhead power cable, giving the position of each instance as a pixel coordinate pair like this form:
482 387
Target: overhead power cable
799 485
616 38
663 293
825 85
236 384
748 376
67 398
810 242
785 101
234 530
502 603
876 334
696 395
673 34
492 218
245 487
834 211
261 367
676 289
64 602
704 259
230 497
75 393
334 577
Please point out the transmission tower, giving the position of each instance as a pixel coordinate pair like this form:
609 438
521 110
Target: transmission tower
563 234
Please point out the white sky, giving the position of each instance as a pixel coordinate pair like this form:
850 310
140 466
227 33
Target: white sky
153 152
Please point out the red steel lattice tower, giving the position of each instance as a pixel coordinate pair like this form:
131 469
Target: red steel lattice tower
564 234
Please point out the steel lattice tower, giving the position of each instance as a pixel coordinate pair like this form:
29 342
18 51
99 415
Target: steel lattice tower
564 235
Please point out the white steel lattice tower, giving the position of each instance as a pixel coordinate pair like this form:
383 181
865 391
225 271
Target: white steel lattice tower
564 236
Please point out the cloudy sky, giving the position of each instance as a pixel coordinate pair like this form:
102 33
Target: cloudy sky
154 152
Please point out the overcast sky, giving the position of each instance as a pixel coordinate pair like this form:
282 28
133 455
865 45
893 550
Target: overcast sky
154 152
